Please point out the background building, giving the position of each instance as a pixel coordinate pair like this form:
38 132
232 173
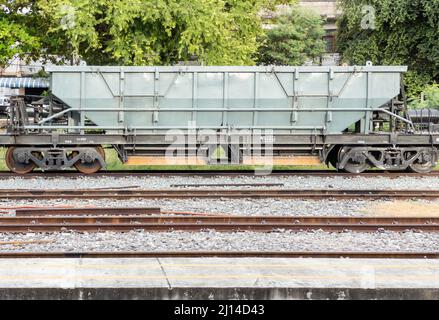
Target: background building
329 12
18 78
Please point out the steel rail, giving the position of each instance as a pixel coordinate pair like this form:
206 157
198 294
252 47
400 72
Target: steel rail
85 211
221 224
196 185
152 227
210 219
208 173
216 193
222 254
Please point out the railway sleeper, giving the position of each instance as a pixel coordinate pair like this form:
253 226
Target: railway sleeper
415 159
85 159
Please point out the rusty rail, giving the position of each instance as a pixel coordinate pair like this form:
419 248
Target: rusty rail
20 224
143 173
218 193
85 211
222 254
197 185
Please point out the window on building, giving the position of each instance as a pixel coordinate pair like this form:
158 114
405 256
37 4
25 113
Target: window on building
330 43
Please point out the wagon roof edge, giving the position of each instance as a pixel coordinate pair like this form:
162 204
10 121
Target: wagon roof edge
226 68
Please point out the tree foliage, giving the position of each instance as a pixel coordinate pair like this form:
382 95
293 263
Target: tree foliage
403 32
430 98
144 32
15 41
294 39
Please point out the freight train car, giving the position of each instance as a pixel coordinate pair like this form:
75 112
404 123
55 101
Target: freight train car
349 117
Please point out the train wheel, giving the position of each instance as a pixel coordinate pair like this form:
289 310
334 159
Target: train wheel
333 157
357 164
353 167
422 167
15 165
90 167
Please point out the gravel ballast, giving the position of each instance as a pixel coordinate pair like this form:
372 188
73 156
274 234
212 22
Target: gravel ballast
248 207
216 241
165 182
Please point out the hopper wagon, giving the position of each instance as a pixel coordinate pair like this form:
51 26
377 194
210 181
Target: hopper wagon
352 117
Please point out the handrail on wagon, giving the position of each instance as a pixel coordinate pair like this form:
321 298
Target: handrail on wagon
228 110
231 109
61 127
396 116
56 115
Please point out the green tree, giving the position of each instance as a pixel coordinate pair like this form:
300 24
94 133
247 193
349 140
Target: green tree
144 32
393 32
294 39
15 41
429 98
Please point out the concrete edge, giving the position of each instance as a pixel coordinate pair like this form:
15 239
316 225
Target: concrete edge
219 293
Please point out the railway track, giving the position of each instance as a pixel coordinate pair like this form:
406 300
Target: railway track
87 211
209 173
222 254
215 193
152 219
23 223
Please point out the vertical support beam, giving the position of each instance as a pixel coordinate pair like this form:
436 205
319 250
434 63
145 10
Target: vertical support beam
121 115
295 113
194 96
79 119
155 102
330 95
392 119
366 123
225 98
256 99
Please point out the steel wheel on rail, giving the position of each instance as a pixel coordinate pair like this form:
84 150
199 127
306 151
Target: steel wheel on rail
17 166
333 157
424 164
90 167
356 164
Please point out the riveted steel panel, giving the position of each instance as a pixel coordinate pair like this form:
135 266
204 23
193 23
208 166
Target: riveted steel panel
285 99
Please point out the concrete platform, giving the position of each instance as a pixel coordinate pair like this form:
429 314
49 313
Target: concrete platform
218 278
